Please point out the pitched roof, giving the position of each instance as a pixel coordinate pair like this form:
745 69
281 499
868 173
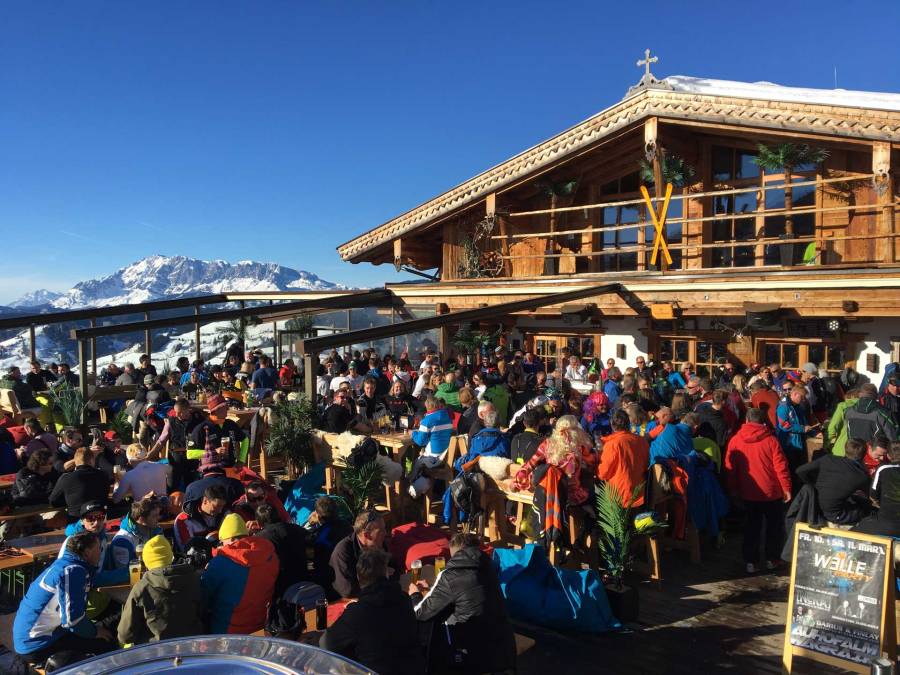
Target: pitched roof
852 114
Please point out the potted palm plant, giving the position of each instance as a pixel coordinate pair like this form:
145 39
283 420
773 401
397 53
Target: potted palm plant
290 434
788 156
361 484
674 170
68 404
616 530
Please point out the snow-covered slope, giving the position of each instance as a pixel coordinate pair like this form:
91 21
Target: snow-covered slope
159 277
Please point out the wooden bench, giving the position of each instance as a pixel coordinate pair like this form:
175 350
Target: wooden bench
459 446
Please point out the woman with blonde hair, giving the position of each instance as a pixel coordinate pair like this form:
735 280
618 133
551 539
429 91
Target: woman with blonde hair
569 449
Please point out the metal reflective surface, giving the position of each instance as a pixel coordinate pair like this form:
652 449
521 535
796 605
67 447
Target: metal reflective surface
219 654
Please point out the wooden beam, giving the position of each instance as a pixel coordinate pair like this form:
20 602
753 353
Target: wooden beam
361 299
318 344
884 182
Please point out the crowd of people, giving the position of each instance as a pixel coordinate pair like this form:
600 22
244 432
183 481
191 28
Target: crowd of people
568 426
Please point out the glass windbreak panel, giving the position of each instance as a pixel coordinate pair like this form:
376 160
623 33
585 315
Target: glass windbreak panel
704 352
816 353
722 163
719 350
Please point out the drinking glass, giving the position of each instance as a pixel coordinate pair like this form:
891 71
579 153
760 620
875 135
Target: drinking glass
321 614
439 564
415 571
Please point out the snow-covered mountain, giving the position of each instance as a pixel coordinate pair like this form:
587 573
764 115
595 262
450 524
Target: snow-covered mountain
162 277
36 298
153 278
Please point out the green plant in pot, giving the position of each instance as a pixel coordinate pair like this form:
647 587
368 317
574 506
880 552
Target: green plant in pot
121 426
361 483
68 404
616 530
291 434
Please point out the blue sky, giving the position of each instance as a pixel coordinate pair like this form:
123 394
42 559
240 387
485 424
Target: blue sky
278 130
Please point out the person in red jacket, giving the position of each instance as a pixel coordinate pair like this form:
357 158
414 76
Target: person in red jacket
763 397
624 459
758 474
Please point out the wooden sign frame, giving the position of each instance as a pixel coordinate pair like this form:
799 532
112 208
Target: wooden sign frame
888 621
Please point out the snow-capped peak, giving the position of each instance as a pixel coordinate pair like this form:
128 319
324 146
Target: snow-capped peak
39 297
158 277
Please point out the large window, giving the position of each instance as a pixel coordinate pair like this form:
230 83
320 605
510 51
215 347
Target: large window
830 355
704 354
736 168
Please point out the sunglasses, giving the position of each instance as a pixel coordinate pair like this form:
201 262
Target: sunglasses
94 517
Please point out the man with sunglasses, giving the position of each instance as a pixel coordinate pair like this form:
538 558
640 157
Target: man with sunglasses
93 520
256 494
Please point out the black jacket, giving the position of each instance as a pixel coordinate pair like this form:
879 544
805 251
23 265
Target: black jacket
32 488
836 479
289 540
712 425
343 564
524 445
327 537
379 631
108 460
466 597
77 487
193 494
336 418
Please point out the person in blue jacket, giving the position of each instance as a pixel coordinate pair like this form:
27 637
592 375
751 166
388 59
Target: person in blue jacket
489 442
138 527
52 616
612 389
433 436
793 428
675 441
93 520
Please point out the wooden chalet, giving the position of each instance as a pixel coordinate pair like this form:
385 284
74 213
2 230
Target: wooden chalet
750 276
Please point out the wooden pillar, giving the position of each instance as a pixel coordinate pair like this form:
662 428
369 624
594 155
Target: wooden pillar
275 349
32 344
490 209
309 376
197 333
884 181
148 340
593 240
82 379
651 148
93 349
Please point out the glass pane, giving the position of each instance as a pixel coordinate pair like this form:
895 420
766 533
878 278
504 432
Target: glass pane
790 356
746 167
682 352
722 159
587 348
721 230
702 371
703 353
628 262
771 353
745 202
723 204
721 257
610 188
720 350
815 354
744 256
745 229
836 357
630 214
631 182
665 350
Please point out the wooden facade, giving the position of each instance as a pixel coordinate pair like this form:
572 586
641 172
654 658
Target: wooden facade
570 211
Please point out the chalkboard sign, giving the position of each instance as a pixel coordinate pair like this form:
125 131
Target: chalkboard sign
841 601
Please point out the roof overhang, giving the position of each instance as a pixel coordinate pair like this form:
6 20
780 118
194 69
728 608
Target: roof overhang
777 116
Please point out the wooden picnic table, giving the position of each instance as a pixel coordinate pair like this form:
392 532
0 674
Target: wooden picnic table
241 416
40 546
29 511
396 443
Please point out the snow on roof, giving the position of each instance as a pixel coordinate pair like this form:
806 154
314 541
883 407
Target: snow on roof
775 92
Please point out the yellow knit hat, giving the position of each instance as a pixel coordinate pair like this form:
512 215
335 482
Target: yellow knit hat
157 553
232 526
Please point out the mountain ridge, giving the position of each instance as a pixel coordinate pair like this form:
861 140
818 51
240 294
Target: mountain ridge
159 277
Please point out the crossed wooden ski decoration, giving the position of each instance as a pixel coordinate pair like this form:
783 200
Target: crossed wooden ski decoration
659 222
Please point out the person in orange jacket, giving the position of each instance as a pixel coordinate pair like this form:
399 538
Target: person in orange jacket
624 459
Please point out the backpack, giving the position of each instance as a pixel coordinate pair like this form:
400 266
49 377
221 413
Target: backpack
363 454
285 617
465 491
156 414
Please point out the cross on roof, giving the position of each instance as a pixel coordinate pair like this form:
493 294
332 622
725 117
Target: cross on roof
646 61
